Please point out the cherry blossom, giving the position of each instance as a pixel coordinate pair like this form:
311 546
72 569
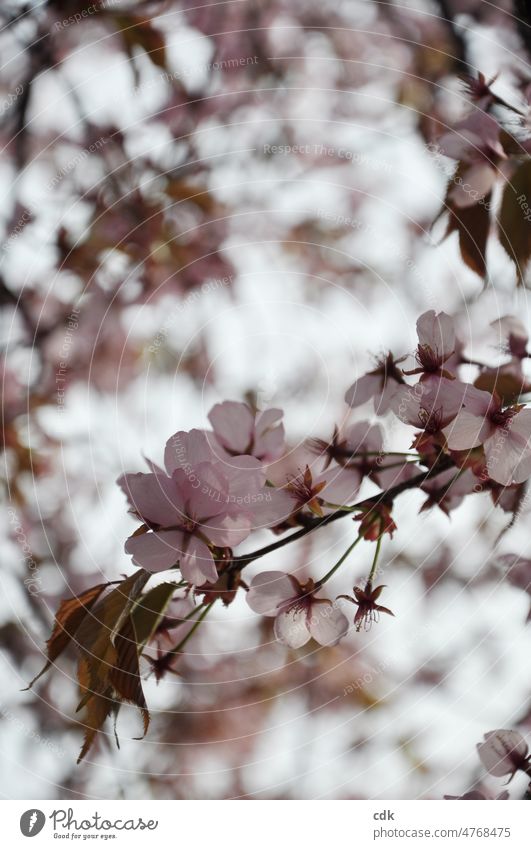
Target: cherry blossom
504 752
241 430
299 616
432 403
366 600
448 489
475 141
436 340
186 516
505 435
312 483
380 384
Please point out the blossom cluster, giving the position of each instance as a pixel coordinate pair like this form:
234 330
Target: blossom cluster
220 485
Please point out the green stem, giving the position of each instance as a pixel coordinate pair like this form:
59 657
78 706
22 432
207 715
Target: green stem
376 556
341 560
192 630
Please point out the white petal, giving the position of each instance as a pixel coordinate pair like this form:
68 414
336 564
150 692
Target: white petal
269 590
467 431
197 560
363 389
291 627
327 624
155 552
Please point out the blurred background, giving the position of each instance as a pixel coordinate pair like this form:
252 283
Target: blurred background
234 200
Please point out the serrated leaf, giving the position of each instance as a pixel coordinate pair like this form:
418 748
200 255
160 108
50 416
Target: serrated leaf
125 675
149 611
68 619
99 708
514 220
96 635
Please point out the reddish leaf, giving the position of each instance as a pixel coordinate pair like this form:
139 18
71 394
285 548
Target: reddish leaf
96 636
99 707
514 222
68 619
125 675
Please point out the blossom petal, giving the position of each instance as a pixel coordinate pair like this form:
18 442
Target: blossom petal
467 431
186 450
269 590
196 562
363 389
227 529
326 623
502 751
233 425
154 497
155 552
436 331
508 451
291 626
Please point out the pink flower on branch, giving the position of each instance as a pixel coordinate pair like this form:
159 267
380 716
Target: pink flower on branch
432 403
475 142
505 435
436 342
380 384
197 506
299 616
241 430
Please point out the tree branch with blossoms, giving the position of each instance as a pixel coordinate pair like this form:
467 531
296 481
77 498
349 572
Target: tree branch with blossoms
220 487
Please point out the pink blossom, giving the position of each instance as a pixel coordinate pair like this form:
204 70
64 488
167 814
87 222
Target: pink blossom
448 489
380 384
474 141
503 752
241 430
436 340
432 403
359 447
504 433
186 516
314 483
298 614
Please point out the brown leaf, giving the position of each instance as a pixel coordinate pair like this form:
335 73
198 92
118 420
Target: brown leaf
514 221
472 223
125 675
96 635
68 618
99 706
